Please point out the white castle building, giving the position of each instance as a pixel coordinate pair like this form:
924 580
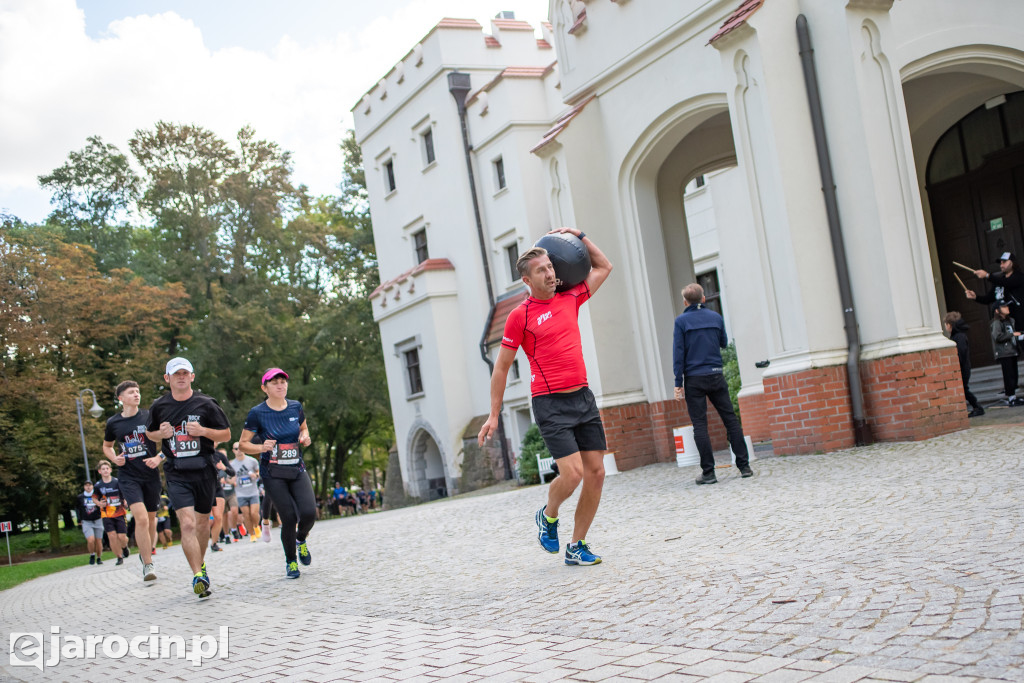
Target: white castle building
603 118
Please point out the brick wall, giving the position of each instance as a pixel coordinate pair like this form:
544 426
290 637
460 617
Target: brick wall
914 396
907 397
754 412
641 433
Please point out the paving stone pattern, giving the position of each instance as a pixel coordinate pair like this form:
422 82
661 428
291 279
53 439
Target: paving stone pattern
894 562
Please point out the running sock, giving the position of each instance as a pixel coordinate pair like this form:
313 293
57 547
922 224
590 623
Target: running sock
551 520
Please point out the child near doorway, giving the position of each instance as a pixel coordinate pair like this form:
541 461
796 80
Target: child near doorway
1004 347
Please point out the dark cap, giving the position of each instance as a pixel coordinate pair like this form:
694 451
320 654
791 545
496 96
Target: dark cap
999 303
1007 256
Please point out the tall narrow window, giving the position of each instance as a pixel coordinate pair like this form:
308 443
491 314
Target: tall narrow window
389 175
499 173
515 369
512 254
419 243
428 146
709 281
412 371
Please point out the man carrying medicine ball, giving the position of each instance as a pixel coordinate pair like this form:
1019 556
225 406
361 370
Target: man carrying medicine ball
546 325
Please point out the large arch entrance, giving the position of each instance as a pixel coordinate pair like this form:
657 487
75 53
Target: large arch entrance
428 480
964 109
975 185
694 139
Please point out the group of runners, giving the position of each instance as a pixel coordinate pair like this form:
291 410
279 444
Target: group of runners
180 432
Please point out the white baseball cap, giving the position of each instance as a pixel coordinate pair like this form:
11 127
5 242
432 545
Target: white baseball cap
175 364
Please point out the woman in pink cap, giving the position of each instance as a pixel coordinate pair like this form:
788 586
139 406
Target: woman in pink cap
276 430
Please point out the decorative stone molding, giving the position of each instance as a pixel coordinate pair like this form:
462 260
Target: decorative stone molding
871 5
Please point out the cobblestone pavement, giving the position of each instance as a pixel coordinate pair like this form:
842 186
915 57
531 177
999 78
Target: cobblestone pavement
896 562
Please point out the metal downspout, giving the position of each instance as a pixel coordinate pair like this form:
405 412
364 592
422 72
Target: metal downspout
861 430
459 87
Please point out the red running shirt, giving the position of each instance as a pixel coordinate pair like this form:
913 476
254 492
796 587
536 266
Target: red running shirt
549 333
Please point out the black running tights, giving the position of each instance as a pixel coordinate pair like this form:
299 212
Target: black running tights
295 503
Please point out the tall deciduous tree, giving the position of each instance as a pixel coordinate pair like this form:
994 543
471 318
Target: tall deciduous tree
64 327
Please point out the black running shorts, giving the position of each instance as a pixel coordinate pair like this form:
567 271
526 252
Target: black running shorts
163 524
115 524
147 492
197 494
569 422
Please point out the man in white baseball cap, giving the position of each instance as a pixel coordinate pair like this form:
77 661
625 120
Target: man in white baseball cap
189 425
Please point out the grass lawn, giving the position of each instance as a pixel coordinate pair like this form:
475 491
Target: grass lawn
19 573
25 543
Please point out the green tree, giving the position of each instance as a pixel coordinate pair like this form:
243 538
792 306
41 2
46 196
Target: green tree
65 326
94 192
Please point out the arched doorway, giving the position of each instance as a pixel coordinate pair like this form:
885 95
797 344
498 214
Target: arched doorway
975 184
428 478
694 139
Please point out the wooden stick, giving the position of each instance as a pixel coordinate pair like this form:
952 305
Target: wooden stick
960 265
961 282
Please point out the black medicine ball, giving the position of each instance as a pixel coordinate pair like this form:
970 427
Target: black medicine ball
569 256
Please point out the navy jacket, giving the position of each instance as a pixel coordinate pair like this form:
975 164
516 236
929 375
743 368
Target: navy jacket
697 342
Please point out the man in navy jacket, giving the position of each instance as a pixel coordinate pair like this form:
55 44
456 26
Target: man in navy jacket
698 340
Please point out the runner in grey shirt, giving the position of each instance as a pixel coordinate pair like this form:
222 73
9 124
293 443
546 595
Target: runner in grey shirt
247 492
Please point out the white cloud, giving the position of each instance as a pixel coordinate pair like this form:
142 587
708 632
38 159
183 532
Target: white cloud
61 86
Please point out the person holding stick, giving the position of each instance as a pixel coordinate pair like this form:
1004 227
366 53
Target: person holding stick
1009 287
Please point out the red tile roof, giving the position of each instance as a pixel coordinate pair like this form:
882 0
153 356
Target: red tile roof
429 264
580 21
513 72
543 44
561 124
491 41
449 22
737 18
512 24
502 307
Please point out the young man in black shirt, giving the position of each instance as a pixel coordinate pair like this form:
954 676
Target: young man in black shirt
137 463
107 494
189 424
91 523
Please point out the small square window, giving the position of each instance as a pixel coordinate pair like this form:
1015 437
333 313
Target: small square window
389 175
499 173
412 371
428 146
512 254
419 243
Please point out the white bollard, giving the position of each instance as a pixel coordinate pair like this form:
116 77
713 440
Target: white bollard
750 450
609 464
686 447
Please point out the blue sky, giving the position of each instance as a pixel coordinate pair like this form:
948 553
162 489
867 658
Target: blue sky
109 67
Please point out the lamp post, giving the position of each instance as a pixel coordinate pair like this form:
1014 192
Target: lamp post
95 411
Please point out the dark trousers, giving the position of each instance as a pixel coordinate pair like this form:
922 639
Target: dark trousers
294 501
699 389
1009 365
965 374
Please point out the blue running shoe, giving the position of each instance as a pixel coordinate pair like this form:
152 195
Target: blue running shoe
293 570
200 585
304 556
579 553
548 534
202 570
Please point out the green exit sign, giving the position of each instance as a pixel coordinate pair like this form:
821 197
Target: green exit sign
995 224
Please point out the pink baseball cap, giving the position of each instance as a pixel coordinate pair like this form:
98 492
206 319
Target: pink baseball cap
272 373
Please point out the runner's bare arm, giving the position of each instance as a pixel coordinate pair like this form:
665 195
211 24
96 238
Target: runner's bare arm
215 435
498 380
112 456
600 266
250 448
304 434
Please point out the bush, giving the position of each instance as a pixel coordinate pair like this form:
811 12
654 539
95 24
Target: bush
533 444
731 370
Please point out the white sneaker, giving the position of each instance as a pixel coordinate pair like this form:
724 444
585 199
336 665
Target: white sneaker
265 532
147 572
